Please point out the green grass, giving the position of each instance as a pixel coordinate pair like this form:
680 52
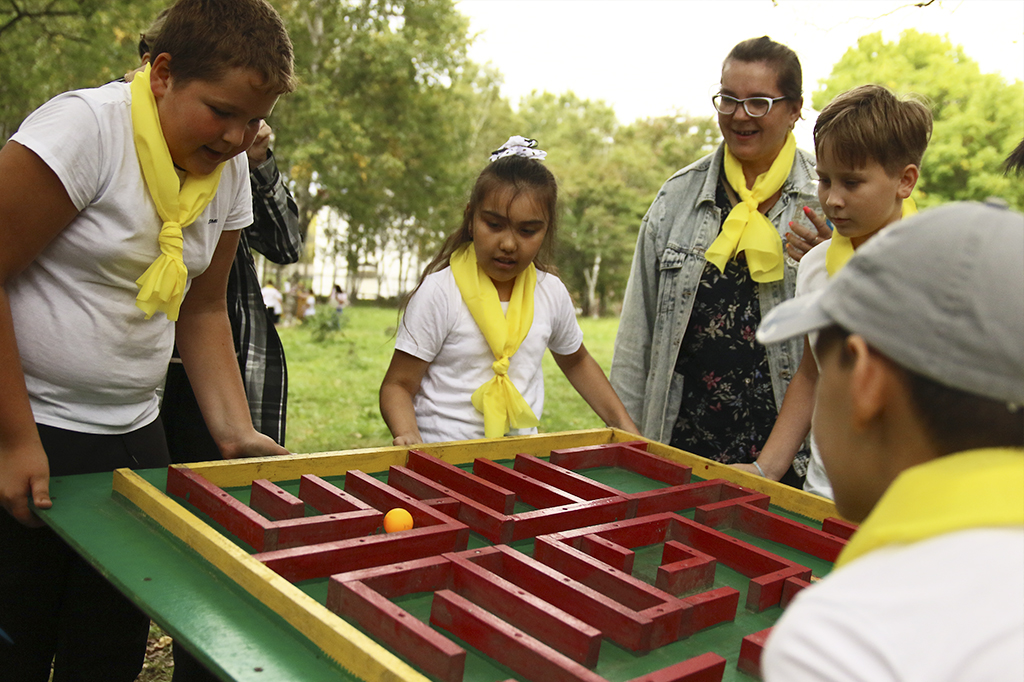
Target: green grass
332 390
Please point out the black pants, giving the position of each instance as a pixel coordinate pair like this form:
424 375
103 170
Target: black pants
53 605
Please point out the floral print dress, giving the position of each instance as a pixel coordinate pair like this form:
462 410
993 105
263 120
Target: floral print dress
728 405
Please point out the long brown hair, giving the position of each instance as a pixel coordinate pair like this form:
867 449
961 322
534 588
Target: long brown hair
521 175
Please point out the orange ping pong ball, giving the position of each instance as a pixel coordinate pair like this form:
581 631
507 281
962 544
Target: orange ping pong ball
397 519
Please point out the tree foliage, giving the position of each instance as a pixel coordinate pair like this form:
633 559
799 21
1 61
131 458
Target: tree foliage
608 175
978 118
50 46
378 129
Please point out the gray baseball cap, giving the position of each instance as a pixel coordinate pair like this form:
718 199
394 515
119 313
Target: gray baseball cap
940 293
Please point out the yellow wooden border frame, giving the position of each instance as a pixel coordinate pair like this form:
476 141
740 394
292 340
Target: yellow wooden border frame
342 642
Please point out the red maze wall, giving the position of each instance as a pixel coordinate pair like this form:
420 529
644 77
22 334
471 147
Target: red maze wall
543 616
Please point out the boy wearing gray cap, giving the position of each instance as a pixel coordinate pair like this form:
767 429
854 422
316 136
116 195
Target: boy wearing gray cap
920 424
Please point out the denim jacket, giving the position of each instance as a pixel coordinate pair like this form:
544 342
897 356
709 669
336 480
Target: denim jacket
667 265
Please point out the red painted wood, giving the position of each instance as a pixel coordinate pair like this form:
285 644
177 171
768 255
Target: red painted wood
384 498
613 583
767 571
750 653
528 490
639 461
843 529
677 498
409 637
492 525
707 667
561 631
563 479
483 492
790 588
327 498
710 608
763 524
590 456
407 577
318 561
444 505
685 570
621 625
542 521
608 552
530 658
275 502
244 523
318 529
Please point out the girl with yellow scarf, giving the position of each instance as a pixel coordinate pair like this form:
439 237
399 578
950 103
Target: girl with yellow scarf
467 360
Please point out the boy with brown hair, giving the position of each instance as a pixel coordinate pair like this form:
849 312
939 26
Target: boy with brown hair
869 146
919 413
119 215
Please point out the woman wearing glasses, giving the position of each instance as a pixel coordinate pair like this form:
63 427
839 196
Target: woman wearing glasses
710 261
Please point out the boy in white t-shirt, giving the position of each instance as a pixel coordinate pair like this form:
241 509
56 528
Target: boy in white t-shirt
119 215
919 415
869 145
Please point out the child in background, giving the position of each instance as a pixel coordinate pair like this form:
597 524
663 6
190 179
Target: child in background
467 360
869 145
919 414
119 218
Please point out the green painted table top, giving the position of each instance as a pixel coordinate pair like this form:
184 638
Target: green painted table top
232 633
242 640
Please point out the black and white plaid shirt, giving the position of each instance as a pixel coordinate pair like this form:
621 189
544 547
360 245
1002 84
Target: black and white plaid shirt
275 234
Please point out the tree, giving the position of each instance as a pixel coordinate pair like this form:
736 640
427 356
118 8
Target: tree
50 46
978 118
379 128
608 175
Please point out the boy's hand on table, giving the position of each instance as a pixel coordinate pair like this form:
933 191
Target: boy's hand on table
24 476
255 445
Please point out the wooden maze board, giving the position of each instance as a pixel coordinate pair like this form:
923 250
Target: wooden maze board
587 557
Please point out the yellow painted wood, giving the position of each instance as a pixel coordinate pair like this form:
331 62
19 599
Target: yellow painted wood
345 644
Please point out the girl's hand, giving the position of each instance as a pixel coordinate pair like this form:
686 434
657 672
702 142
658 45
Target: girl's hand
411 439
800 240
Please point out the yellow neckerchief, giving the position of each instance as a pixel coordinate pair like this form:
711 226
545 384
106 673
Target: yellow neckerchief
840 248
747 229
498 399
972 489
162 286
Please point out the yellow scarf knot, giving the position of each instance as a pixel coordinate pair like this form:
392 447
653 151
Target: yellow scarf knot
840 248
162 286
745 228
500 402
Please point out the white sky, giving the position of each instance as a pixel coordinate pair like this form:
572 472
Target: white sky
651 57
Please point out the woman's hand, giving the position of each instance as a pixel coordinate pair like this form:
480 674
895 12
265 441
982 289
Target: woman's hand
800 240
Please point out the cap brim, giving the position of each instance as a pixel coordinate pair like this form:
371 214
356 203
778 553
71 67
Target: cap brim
795 317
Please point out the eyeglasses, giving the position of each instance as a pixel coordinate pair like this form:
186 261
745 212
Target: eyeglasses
756 107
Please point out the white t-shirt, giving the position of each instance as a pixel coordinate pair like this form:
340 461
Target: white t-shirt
946 609
92 361
273 299
438 328
813 276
